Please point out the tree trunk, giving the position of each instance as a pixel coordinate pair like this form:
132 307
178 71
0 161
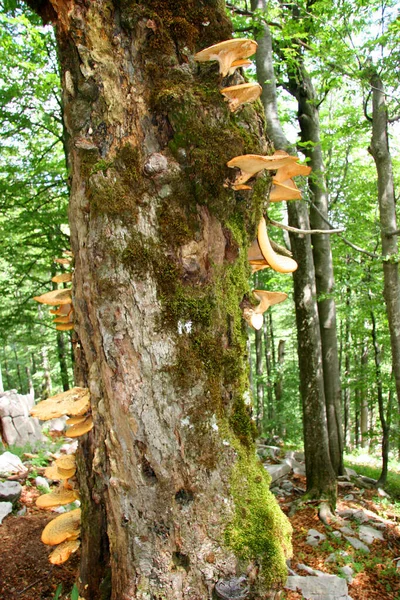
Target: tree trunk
45 391
364 409
379 149
174 503
259 379
6 369
320 475
269 414
280 427
381 407
62 360
302 89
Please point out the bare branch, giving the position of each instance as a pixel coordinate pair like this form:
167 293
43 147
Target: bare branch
304 231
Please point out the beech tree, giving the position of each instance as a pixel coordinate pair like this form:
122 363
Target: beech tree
174 503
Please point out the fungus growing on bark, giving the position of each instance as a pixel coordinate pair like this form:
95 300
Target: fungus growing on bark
75 420
254 316
64 309
62 278
227 53
240 63
74 402
64 527
250 164
63 551
56 474
68 461
291 170
80 428
240 94
59 497
278 262
64 327
55 297
287 190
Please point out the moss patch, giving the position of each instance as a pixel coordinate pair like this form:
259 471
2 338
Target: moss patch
259 530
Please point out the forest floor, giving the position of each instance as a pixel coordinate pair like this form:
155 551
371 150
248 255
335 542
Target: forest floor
26 574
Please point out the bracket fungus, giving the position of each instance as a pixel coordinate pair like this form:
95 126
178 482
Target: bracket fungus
80 428
287 190
254 316
251 164
64 527
240 63
74 402
291 170
278 262
240 94
63 551
62 278
57 474
227 53
55 297
59 497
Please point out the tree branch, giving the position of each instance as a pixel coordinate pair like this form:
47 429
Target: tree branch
303 231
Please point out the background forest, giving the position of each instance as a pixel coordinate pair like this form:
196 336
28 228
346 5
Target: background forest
338 48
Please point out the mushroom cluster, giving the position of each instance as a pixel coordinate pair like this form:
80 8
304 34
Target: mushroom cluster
63 531
232 54
64 314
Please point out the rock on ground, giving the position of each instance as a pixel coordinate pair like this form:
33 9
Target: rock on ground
326 587
17 426
10 463
5 509
10 491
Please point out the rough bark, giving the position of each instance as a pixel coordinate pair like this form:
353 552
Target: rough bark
379 149
173 500
320 474
301 87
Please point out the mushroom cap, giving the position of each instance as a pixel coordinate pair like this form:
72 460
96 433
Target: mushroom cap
75 402
239 94
64 309
55 297
63 551
80 428
68 461
287 190
75 420
291 170
250 164
64 326
227 52
59 497
62 278
63 527
62 319
278 262
256 320
267 299
56 474
241 62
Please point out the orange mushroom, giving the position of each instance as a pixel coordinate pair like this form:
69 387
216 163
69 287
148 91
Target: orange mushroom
241 94
278 262
227 53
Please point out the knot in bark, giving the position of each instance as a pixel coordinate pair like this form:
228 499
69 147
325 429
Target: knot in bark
232 589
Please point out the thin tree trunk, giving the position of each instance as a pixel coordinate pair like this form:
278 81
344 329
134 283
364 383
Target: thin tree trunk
259 380
364 406
320 474
381 407
347 367
301 87
46 381
269 413
172 494
18 369
279 390
62 359
6 369
379 149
